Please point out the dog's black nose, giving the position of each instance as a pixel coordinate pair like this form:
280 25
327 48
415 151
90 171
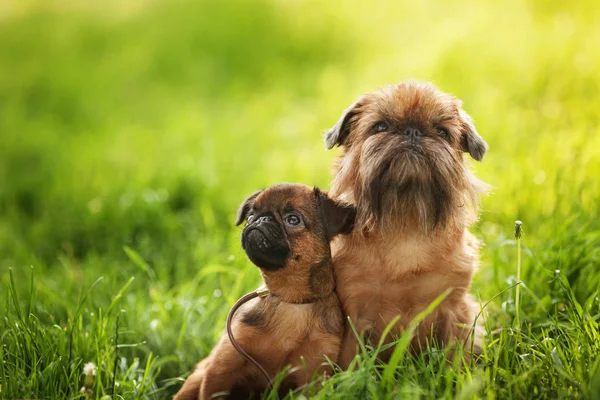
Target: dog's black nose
412 133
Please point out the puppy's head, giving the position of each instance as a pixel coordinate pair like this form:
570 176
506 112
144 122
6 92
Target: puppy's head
291 225
403 163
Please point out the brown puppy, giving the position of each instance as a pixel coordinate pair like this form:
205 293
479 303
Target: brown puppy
287 234
402 166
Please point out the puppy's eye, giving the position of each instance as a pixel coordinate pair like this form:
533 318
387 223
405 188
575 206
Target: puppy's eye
380 126
292 220
250 218
443 133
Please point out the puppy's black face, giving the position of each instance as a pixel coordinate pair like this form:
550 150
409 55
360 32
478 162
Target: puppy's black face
291 223
265 240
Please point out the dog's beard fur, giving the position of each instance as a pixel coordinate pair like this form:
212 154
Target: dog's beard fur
401 188
395 179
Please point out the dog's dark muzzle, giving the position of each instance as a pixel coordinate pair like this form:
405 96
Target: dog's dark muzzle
257 239
265 244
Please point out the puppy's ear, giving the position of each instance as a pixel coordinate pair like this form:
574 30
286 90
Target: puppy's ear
340 131
470 140
245 207
338 217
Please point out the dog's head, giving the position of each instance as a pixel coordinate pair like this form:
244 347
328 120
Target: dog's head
291 225
403 161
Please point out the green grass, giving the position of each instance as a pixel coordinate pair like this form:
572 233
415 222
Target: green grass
131 131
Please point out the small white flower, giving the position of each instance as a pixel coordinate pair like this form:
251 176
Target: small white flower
83 390
89 369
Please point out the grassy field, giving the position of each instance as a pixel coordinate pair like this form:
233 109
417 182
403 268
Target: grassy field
131 131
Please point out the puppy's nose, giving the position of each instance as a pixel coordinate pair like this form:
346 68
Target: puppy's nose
412 133
264 219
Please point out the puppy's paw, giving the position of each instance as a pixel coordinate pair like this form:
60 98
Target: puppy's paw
191 387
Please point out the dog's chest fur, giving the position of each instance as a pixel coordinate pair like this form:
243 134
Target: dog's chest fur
378 279
286 333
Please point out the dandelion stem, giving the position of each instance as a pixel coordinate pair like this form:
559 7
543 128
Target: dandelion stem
518 234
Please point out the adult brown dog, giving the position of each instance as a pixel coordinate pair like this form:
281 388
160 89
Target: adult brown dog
402 166
287 235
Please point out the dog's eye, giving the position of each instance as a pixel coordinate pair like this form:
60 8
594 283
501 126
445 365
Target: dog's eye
380 126
292 220
250 218
442 133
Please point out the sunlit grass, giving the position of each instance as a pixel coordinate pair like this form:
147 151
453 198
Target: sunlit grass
131 131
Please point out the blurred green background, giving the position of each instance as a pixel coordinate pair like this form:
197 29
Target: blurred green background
143 124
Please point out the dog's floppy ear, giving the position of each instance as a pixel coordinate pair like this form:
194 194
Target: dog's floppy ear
470 140
245 207
339 132
338 217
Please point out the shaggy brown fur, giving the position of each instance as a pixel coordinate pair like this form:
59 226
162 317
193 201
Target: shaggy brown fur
402 166
300 323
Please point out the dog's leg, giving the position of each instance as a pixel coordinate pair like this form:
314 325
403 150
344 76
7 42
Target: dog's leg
312 360
191 387
349 348
217 384
470 327
221 375
452 325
